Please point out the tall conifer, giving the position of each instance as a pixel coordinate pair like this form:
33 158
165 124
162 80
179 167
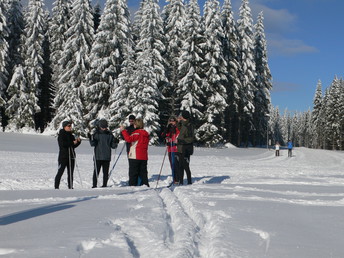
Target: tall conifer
110 46
75 63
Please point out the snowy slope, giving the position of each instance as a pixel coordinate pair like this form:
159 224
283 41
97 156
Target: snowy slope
243 203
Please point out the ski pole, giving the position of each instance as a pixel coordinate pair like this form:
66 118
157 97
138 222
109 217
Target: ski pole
77 168
119 155
161 169
173 166
70 185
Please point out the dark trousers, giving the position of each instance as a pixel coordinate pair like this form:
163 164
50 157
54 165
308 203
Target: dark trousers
290 152
183 164
105 164
138 168
69 163
277 153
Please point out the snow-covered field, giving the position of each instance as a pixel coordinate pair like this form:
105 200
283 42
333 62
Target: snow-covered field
243 203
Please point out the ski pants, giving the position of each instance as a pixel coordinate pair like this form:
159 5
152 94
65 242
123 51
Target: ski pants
105 164
138 168
172 158
183 164
290 152
69 163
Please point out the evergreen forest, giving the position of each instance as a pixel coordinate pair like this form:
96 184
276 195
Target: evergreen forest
82 63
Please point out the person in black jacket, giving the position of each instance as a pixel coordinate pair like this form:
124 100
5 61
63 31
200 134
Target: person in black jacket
102 141
67 144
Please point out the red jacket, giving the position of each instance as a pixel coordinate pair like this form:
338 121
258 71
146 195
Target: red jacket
139 140
171 140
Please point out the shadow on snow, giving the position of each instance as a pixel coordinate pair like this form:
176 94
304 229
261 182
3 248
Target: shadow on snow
36 212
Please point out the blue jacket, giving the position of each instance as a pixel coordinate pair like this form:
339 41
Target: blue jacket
290 145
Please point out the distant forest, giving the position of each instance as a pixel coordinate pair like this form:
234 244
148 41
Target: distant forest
81 63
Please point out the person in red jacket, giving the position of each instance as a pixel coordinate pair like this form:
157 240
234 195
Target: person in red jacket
138 153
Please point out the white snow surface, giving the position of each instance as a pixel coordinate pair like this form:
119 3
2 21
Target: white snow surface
242 203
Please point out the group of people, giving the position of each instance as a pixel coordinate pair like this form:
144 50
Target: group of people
179 137
289 147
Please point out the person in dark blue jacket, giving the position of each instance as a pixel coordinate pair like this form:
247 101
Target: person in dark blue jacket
67 144
102 141
290 148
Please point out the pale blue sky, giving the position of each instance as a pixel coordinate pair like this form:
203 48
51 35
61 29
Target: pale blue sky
305 44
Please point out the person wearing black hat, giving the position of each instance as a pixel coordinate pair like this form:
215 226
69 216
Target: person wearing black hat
67 144
102 141
184 146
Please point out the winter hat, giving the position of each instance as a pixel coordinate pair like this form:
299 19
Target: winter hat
132 117
103 123
65 123
185 114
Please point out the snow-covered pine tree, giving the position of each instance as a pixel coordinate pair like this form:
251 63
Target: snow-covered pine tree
150 70
75 63
16 28
248 71
109 48
285 126
304 128
262 99
174 16
122 94
3 53
45 85
316 116
230 45
22 103
333 114
59 25
136 25
212 129
190 87
33 52
323 114
276 125
341 112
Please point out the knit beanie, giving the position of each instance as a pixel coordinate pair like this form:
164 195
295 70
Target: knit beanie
103 123
65 123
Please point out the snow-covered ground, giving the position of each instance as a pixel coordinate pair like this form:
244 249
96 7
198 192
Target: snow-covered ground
243 203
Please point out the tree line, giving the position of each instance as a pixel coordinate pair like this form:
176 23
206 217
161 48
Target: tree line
320 128
79 63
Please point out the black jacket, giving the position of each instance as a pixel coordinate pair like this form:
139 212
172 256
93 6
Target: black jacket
66 145
186 137
103 141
